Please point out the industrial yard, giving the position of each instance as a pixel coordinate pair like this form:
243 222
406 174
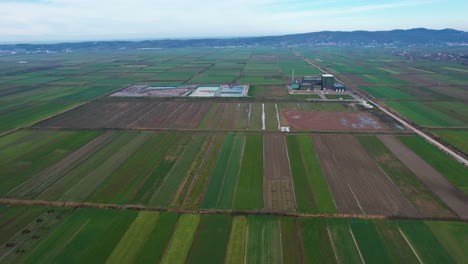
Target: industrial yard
214 155
224 90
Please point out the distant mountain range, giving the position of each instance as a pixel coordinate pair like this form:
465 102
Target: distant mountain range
398 38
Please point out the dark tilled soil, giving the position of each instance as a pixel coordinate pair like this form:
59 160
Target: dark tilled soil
357 183
278 190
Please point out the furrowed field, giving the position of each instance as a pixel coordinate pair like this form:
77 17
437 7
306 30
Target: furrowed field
90 178
129 236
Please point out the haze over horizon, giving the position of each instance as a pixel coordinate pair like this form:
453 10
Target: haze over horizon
81 20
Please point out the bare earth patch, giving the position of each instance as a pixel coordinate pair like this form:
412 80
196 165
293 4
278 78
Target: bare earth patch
330 121
278 190
357 183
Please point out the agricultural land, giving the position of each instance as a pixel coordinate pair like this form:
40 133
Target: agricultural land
271 177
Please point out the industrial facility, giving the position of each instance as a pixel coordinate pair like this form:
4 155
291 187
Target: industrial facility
318 82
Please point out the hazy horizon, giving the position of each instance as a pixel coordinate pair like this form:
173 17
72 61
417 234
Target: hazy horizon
50 21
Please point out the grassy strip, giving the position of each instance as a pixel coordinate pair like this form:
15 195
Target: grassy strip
134 239
425 114
424 243
170 183
292 248
456 138
249 192
168 187
399 250
311 188
118 185
59 239
107 238
228 186
158 239
342 240
369 242
14 218
452 170
54 190
88 183
209 245
302 186
195 195
170 153
28 115
315 241
216 180
322 195
426 203
236 247
30 158
192 174
179 246
453 236
263 240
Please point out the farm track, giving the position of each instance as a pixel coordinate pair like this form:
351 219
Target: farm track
194 130
137 207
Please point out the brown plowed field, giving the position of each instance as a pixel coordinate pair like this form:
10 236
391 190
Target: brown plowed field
453 197
132 115
332 121
278 190
357 183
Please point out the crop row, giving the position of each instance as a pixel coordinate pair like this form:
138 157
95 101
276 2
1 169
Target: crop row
237 171
130 236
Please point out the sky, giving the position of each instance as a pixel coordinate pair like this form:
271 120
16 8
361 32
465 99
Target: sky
83 20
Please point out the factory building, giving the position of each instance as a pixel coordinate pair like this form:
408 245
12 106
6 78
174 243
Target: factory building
327 81
324 81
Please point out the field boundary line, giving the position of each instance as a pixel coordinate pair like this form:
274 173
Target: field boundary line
411 246
139 207
355 198
356 244
195 130
333 245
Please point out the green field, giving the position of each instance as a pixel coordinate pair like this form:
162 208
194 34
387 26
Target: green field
453 237
438 114
425 244
452 170
181 241
222 184
316 241
263 240
311 189
369 242
343 242
236 247
209 245
382 92
89 178
128 236
249 191
456 138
